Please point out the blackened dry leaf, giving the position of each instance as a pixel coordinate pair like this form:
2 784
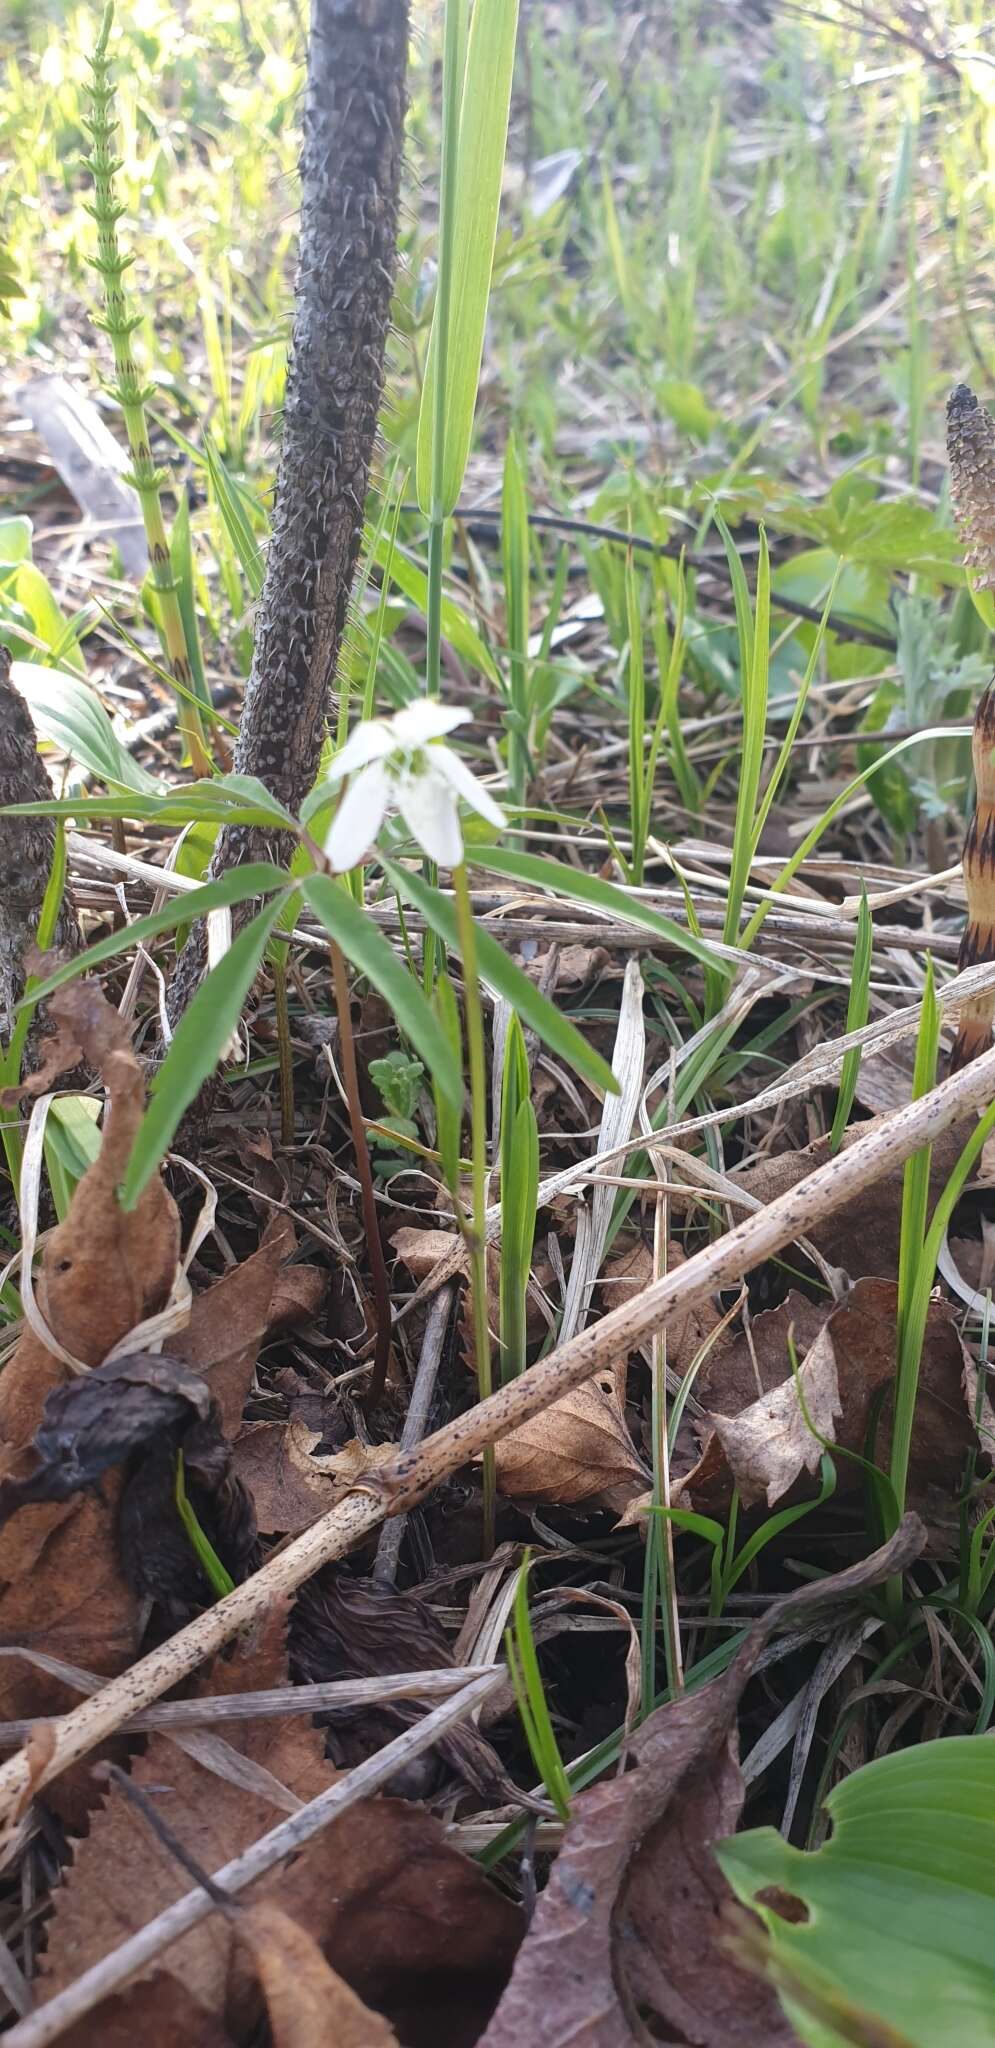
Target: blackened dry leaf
157 1556
99 1420
345 1627
627 1925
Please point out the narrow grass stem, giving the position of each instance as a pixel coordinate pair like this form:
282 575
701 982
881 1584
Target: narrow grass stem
478 1154
278 968
378 1264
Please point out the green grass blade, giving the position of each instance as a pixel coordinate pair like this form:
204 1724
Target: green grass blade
483 131
584 888
857 1012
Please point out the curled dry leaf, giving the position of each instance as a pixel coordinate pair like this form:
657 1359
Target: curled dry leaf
578 1450
764 1446
627 1926
291 1486
90 1424
308 2003
347 1627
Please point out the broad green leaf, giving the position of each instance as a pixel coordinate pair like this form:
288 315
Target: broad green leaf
901 1902
196 1046
15 540
555 1030
256 878
562 880
483 133
461 634
32 590
66 711
365 946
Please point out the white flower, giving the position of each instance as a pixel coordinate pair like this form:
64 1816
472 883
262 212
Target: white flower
403 765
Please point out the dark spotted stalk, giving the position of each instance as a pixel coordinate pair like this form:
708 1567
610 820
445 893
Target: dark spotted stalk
132 393
350 185
971 456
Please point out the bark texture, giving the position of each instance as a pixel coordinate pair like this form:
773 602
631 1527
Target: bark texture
350 186
26 849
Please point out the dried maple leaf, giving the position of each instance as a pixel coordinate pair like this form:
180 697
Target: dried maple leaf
577 1451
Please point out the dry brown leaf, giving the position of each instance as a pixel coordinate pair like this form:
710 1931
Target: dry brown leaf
159 2012
863 1236
754 1445
309 2004
631 1271
121 1875
626 1927
770 1443
578 1450
290 1487
229 1321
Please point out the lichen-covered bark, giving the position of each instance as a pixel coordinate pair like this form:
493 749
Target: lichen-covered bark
350 184
26 849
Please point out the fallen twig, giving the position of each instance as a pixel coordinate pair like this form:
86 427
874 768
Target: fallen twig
394 1488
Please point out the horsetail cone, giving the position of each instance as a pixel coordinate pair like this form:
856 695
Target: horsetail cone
971 456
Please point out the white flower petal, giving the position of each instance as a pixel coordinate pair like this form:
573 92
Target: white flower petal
425 719
368 741
218 936
359 817
431 814
451 765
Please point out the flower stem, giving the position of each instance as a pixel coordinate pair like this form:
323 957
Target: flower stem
131 393
378 1265
478 1152
278 969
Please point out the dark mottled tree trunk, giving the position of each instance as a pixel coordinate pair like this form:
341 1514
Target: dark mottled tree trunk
26 849
350 184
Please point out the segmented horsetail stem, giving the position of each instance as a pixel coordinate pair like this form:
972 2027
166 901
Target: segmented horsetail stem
130 391
971 456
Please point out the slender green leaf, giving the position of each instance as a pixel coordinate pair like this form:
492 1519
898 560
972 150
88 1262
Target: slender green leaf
857 1013
370 952
66 711
562 880
196 1046
256 878
535 1010
483 132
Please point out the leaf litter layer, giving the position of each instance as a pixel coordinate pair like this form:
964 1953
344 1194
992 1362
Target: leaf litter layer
704 1404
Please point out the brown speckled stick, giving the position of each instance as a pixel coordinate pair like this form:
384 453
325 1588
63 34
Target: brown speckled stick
350 190
971 455
26 849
